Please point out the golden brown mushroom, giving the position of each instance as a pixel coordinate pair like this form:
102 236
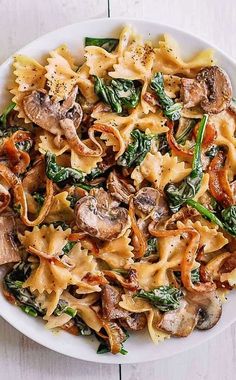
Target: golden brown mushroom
100 217
211 90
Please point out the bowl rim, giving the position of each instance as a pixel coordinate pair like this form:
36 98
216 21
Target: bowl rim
200 40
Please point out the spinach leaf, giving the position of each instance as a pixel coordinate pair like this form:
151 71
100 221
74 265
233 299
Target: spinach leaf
119 94
83 328
39 198
24 145
170 108
96 172
59 173
68 247
29 310
13 282
195 275
4 115
212 152
181 139
151 246
62 307
137 150
228 216
178 195
109 44
164 298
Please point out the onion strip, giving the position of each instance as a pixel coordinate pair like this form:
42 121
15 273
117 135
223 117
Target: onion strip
108 129
189 257
137 232
19 196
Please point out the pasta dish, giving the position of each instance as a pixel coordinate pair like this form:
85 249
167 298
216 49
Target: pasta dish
117 190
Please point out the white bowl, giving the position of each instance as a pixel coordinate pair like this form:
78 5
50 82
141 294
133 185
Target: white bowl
139 345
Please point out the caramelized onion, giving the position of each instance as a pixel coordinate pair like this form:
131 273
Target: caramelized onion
137 232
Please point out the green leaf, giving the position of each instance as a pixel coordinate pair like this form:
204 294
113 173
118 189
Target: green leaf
137 150
59 173
195 275
182 138
39 198
24 145
164 298
29 310
169 107
178 194
151 246
119 95
96 172
68 247
62 307
109 44
83 328
13 282
5 113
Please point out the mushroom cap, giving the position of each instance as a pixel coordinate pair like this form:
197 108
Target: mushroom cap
41 110
119 187
182 321
99 218
219 89
210 309
149 200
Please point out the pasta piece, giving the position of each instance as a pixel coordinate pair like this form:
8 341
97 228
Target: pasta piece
30 75
160 170
168 60
65 53
61 78
224 123
229 277
60 209
46 239
86 85
153 318
99 61
46 144
81 262
210 237
117 253
135 61
86 164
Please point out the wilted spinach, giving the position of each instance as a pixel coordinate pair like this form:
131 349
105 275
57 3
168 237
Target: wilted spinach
59 173
164 298
195 275
68 247
151 246
39 198
137 150
109 44
178 195
4 115
24 145
62 307
120 94
170 108
181 139
96 172
13 282
226 219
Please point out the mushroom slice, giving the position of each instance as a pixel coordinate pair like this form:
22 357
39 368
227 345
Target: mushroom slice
96 216
111 297
8 250
47 114
219 89
192 92
119 187
134 321
211 89
182 321
149 200
42 111
210 309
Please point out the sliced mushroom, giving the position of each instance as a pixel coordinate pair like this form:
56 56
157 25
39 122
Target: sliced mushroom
41 110
192 92
98 216
8 249
111 297
119 187
149 200
210 309
182 321
211 89
134 321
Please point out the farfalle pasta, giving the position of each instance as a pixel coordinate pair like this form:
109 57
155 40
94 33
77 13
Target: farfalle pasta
117 186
